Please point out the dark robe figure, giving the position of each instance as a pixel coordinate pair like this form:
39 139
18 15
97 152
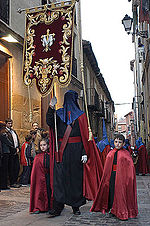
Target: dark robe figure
40 184
73 181
117 191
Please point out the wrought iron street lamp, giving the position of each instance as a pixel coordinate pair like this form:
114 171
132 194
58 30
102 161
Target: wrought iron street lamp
127 23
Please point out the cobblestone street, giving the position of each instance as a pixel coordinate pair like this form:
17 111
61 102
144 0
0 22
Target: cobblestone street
14 206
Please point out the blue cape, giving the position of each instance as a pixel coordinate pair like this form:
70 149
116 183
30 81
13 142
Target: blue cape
139 142
71 110
104 142
96 140
126 143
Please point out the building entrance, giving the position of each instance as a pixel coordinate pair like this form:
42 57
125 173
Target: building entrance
4 87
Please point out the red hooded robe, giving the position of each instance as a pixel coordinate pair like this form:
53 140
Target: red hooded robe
125 195
38 188
142 160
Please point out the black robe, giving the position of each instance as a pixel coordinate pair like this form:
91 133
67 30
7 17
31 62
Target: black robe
68 175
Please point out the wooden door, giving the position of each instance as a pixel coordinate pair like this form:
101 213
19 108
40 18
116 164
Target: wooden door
4 87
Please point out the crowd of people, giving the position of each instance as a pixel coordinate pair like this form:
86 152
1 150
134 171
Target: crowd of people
16 160
64 167
139 153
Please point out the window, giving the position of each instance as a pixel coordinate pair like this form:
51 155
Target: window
4 11
46 2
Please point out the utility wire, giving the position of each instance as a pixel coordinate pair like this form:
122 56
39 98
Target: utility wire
122 103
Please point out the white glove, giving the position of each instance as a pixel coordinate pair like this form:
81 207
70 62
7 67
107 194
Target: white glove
84 159
53 102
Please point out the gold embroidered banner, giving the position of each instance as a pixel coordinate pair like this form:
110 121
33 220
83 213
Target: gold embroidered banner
48 47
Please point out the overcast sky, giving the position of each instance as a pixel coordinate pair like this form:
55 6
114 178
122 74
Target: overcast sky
112 46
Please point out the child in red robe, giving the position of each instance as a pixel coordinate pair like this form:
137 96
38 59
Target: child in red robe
40 180
117 192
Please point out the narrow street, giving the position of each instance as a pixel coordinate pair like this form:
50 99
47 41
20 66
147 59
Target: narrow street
14 205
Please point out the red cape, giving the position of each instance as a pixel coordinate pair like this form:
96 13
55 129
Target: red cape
104 154
23 159
142 160
92 169
130 150
38 189
125 196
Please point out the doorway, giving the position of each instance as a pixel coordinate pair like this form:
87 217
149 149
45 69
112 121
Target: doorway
4 87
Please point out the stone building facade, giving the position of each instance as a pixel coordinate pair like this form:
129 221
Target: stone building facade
25 105
141 68
100 103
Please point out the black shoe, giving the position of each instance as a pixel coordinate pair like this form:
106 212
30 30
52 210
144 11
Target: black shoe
15 185
36 212
5 188
111 214
53 213
76 211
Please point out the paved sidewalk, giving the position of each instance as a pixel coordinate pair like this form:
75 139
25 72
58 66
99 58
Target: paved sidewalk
14 207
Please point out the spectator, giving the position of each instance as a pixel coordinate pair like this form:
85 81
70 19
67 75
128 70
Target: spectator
33 148
39 131
25 161
13 165
3 158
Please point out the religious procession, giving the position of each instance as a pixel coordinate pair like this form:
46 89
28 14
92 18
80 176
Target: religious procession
70 154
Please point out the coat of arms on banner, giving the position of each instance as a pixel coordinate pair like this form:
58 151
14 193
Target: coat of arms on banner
48 47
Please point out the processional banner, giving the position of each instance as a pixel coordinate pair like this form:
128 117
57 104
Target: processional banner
48 46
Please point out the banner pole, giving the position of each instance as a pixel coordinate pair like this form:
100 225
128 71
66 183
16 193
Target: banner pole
30 109
82 66
56 140
19 10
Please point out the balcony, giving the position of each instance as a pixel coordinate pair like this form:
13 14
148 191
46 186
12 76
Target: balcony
92 99
94 103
